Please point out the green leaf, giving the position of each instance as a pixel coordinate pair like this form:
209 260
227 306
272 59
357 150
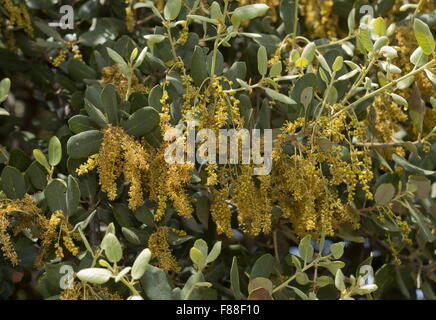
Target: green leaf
248 12
198 66
399 100
296 262
323 76
422 184
259 294
309 52
332 95
83 224
141 122
384 194
5 86
214 253
54 151
215 11
262 60
80 123
123 215
380 26
424 226
279 96
155 284
219 63
323 281
306 97
410 167
340 280
37 175
202 209
197 257
152 39
141 264
237 70
405 83
84 144
200 19
112 247
351 21
302 278
418 58
389 52
337 249
122 273
276 69
156 94
55 196
332 266
95 115
72 195
263 267
109 100
365 37
424 37
430 76
348 75
131 236
300 293
322 61
172 9
94 275
116 57
338 63
295 55
201 245
383 278
234 279
79 70
133 55
13 183
41 159
305 249
260 282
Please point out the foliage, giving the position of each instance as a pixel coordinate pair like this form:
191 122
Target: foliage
85 187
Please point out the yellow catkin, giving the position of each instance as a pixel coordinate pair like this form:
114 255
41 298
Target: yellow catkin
169 186
112 74
319 18
60 58
130 16
160 248
305 195
119 154
183 34
220 211
388 118
74 49
18 16
250 203
63 53
18 206
55 229
81 291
